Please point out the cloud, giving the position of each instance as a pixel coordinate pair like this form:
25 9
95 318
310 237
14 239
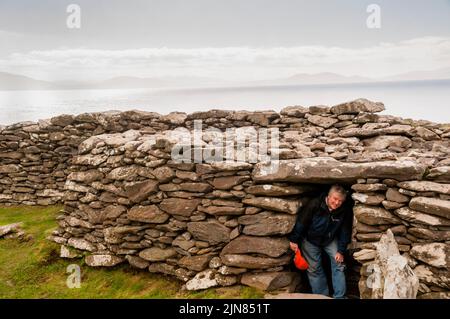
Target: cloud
232 62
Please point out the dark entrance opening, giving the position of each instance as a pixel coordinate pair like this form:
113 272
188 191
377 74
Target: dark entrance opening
352 267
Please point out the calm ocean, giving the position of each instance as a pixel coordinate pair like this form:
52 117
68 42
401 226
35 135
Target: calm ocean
428 100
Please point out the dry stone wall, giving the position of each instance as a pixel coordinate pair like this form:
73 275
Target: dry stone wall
216 224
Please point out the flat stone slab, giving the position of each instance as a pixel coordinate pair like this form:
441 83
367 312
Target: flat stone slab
329 170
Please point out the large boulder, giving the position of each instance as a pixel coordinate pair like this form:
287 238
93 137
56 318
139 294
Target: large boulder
329 170
390 275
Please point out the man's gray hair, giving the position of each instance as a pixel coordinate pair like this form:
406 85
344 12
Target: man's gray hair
336 188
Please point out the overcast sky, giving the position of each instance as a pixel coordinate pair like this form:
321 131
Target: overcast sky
229 39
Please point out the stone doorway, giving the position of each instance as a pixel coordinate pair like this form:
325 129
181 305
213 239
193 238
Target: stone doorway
352 266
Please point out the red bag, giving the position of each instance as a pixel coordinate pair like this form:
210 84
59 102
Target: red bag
299 261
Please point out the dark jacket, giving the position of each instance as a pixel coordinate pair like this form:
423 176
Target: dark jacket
320 227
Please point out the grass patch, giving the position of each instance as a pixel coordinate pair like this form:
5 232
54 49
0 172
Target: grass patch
33 269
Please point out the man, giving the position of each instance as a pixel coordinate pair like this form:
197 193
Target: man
324 224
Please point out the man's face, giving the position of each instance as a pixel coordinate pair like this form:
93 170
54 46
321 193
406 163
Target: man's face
335 201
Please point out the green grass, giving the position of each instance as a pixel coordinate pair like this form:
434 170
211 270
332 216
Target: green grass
33 269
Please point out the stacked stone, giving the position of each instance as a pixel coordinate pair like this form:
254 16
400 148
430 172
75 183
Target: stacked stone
418 214
208 224
222 223
34 156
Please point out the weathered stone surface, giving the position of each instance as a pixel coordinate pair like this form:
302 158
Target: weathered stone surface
267 224
228 182
80 243
179 206
137 262
197 263
276 204
294 111
368 199
164 174
103 260
358 106
227 166
268 281
322 121
433 254
433 276
92 160
425 186
426 134
271 247
139 191
10 228
10 168
440 174
223 210
364 255
148 214
369 188
114 211
157 254
203 280
86 176
65 252
424 233
385 141
124 173
211 232
391 277
328 170
432 206
195 187
250 262
374 215
395 196
114 235
421 218
274 190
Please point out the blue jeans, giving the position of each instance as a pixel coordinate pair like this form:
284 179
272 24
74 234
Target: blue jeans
316 274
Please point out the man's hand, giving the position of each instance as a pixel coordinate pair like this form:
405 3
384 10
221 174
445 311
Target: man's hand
339 257
293 246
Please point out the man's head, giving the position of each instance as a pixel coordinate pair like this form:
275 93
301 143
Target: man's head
336 197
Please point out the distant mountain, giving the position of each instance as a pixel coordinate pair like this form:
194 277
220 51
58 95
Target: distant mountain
10 81
124 82
314 79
